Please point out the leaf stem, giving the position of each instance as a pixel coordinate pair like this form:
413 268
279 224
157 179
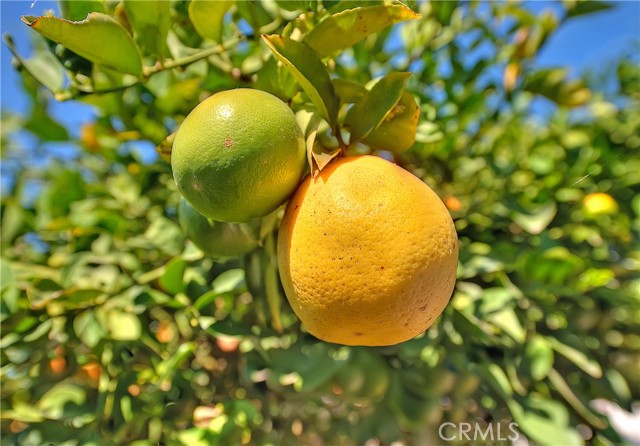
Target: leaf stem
218 49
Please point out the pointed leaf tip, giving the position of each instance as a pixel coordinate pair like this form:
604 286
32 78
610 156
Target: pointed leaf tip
307 68
99 38
344 29
367 114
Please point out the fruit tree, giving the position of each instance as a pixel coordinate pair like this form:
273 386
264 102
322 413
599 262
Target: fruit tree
327 180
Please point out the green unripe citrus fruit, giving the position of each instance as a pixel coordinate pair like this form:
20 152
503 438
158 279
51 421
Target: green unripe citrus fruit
238 155
217 239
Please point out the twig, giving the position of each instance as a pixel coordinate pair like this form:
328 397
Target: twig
148 71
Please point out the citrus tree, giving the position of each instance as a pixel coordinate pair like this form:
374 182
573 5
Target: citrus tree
122 324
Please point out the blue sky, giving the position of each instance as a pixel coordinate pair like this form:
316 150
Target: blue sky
584 43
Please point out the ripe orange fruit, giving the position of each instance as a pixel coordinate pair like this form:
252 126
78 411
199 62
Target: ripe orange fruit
218 240
58 365
367 253
238 155
599 203
452 203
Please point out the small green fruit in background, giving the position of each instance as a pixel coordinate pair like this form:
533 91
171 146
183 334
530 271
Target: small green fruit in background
217 239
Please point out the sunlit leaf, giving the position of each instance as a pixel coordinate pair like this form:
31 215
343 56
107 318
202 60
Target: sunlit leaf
500 380
79 9
320 157
309 71
164 148
507 320
99 38
343 30
536 222
166 235
538 356
228 281
207 17
123 326
397 131
23 412
52 404
375 106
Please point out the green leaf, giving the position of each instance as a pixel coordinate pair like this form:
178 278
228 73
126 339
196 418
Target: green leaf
274 78
567 393
536 222
52 404
344 29
151 22
88 328
41 330
372 109
507 320
207 17
349 91
65 188
172 279
255 14
79 9
579 358
582 7
309 71
167 367
13 221
499 380
42 65
99 38
44 127
318 157
229 280
397 131
314 364
23 412
495 299
165 235
123 326
553 84
545 422
6 275
538 356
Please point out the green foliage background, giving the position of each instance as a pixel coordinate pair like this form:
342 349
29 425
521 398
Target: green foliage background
117 330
